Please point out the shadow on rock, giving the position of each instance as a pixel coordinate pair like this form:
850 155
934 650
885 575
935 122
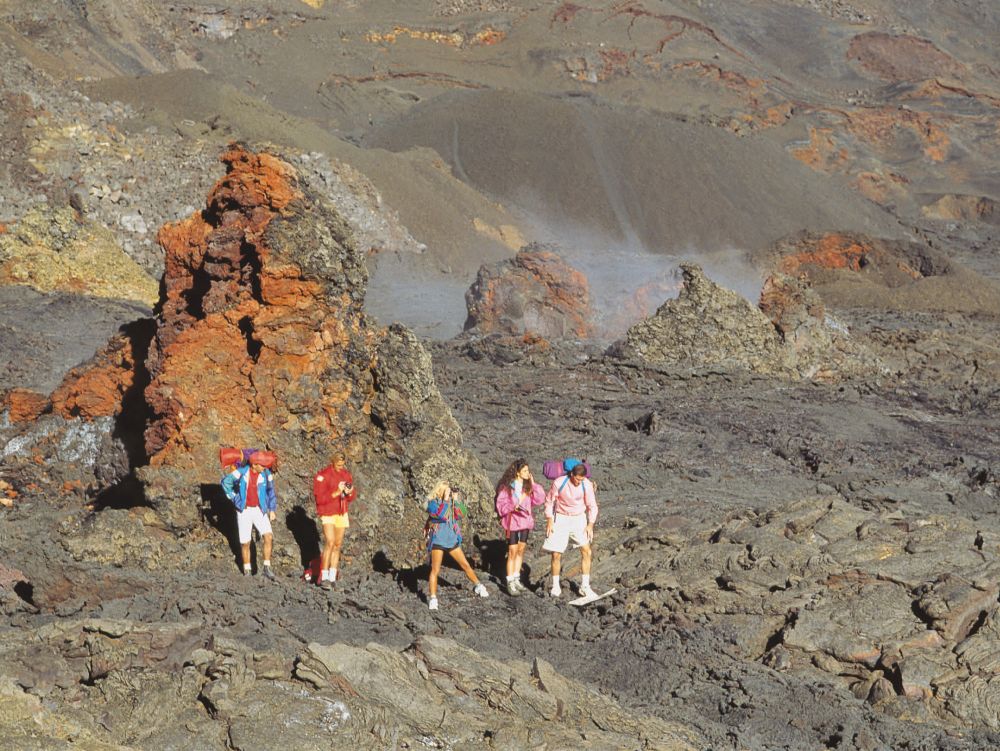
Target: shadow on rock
303 530
218 511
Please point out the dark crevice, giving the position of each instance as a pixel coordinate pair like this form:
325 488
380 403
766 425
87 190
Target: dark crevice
304 532
775 639
201 284
130 425
250 269
254 346
26 591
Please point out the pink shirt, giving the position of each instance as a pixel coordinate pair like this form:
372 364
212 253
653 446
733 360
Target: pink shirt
572 500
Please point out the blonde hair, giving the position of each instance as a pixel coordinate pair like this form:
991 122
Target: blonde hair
439 489
339 457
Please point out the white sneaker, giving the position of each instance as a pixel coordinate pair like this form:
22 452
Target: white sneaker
587 592
432 603
481 590
556 591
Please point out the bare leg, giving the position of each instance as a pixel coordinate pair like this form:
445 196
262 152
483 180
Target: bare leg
245 549
556 563
432 580
586 556
511 560
333 539
268 543
518 560
459 557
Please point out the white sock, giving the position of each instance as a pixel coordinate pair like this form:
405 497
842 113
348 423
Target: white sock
267 563
324 575
555 580
586 580
333 574
246 566
512 577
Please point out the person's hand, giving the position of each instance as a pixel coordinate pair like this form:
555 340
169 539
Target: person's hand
340 486
272 516
590 532
549 526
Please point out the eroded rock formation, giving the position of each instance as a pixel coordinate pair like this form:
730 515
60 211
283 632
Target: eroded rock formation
262 342
535 293
707 326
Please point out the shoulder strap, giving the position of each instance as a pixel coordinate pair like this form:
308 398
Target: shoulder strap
563 484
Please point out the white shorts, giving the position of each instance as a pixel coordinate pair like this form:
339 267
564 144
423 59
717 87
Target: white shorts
249 518
567 528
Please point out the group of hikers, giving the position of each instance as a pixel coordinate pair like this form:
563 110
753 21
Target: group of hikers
570 509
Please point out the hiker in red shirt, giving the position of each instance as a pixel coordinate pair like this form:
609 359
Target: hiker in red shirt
334 489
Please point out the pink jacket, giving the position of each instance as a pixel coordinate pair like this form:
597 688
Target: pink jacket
571 500
515 515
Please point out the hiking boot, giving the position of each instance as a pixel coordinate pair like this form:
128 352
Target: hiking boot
326 585
514 589
480 590
556 591
432 603
269 574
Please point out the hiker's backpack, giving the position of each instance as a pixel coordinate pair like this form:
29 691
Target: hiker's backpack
229 456
553 469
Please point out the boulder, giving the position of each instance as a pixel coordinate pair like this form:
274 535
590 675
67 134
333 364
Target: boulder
535 293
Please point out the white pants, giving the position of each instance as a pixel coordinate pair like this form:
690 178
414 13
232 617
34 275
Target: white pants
249 518
567 528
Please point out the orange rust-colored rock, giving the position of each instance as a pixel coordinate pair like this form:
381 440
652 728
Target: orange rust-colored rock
880 127
23 405
98 388
821 153
536 292
829 252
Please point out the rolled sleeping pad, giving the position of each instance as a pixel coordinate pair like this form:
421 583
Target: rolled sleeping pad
266 459
247 453
229 456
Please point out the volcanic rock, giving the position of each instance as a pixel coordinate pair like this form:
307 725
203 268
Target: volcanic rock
262 342
535 293
60 251
705 326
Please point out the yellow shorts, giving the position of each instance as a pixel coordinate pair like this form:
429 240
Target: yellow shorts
337 520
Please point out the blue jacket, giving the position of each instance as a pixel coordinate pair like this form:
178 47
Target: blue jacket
265 489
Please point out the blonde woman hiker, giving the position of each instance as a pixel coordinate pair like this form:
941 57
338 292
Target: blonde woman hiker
444 535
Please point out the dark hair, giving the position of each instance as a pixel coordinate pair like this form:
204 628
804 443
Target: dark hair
580 470
509 474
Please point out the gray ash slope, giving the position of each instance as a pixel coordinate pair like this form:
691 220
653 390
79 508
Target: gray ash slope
800 565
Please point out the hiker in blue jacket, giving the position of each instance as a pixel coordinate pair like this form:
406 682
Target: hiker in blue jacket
251 489
444 535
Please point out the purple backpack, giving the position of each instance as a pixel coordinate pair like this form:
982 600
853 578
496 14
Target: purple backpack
553 469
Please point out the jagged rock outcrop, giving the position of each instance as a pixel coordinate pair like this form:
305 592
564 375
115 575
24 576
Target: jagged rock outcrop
815 345
705 326
535 293
788 334
262 342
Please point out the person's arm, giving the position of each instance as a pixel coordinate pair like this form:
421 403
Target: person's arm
272 497
229 484
435 509
505 502
354 490
590 501
537 494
